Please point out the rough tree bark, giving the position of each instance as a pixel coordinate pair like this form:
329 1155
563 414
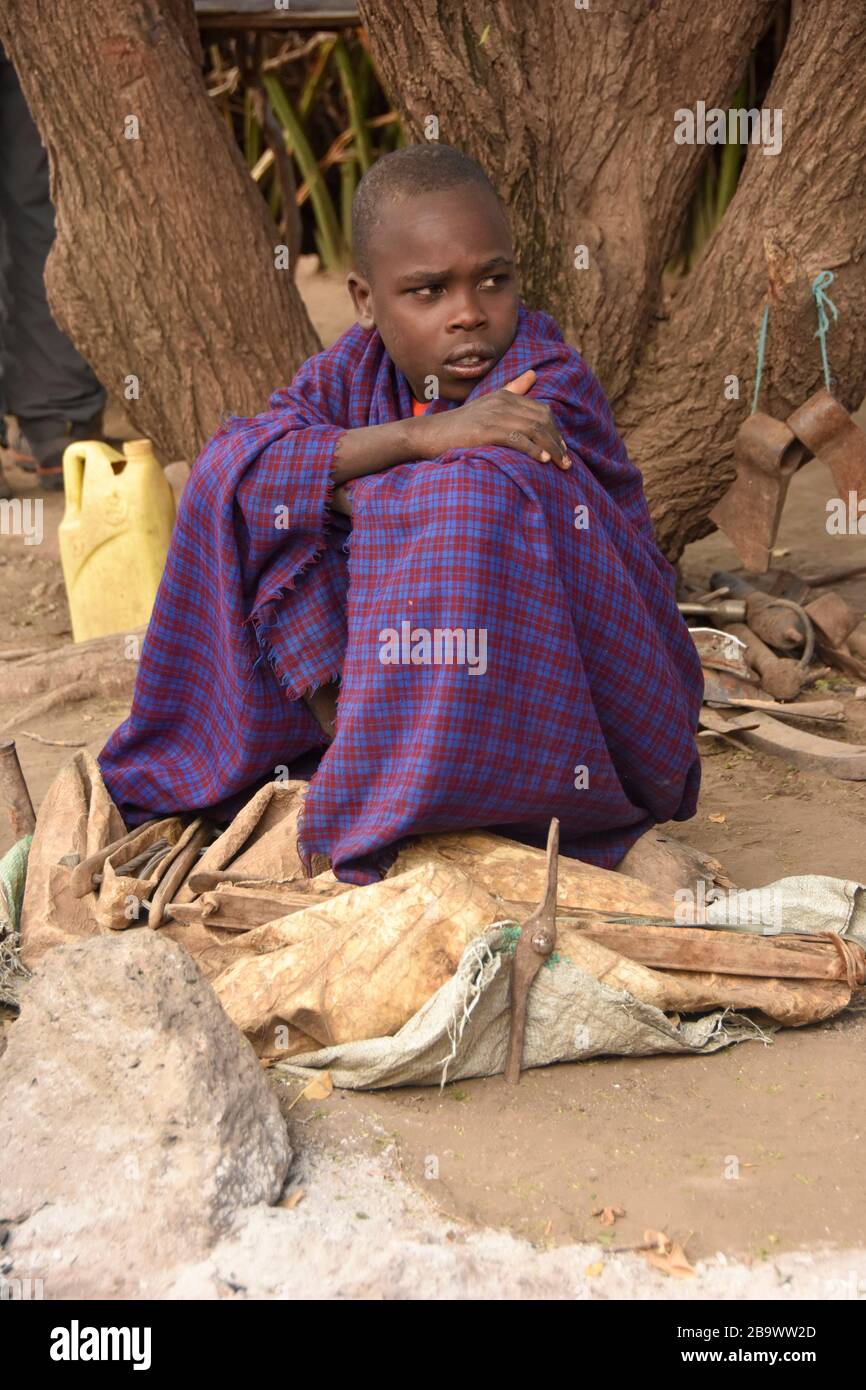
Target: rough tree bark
794 215
571 112
164 264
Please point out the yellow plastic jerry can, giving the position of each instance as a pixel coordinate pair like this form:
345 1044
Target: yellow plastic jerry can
114 535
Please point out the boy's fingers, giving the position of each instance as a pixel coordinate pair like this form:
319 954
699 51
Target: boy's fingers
542 419
516 439
521 383
550 440
528 443
540 423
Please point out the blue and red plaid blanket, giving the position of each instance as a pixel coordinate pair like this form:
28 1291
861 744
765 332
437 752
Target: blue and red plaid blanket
507 633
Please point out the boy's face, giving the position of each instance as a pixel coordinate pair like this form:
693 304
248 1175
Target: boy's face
443 281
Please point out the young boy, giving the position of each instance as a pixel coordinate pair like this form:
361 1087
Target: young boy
497 614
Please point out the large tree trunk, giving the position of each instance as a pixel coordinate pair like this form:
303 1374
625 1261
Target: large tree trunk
794 214
571 112
163 272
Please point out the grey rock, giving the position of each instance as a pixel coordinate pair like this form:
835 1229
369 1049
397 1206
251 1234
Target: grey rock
135 1119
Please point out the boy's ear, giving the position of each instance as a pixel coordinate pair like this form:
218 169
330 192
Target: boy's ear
362 298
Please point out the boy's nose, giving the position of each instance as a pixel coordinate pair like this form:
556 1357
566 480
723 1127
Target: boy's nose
468 313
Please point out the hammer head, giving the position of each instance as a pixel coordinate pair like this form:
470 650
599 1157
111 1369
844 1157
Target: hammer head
537 941
767 455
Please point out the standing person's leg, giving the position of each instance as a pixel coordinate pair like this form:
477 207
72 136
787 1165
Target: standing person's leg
44 381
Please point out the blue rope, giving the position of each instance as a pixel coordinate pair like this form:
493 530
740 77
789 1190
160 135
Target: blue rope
762 344
821 282
819 285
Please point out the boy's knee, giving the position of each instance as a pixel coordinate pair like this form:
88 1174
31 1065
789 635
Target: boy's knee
473 486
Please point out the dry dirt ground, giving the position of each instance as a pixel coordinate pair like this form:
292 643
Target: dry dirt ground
754 1151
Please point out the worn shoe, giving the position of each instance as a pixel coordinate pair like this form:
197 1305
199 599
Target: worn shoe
18 450
48 437
5 489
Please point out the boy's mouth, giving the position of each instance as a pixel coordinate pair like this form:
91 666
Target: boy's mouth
469 362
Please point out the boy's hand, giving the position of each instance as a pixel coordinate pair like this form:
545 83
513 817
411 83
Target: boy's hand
341 500
507 417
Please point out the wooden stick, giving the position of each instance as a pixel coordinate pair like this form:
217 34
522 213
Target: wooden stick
784 957
51 742
14 796
18 653
69 694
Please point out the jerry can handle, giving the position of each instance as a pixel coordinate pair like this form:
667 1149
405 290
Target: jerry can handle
94 454
74 456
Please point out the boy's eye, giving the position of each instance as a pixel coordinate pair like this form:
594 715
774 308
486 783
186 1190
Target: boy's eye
429 291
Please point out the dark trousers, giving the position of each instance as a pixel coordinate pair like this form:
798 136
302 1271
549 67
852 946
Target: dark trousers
41 373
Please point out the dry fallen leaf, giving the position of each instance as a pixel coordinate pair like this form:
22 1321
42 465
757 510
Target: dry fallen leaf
674 1263
668 1257
594 1270
608 1215
718 817
319 1088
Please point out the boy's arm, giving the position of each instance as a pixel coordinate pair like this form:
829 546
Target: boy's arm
373 448
505 417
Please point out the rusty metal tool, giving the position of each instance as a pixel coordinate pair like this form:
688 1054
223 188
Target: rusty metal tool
86 875
837 625
768 454
142 860
778 621
837 575
856 640
710 596
720 651
780 676
783 583
766 735
14 796
728 610
723 689
177 865
834 617
825 427
537 941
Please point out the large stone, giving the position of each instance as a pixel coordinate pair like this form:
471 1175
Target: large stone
135 1120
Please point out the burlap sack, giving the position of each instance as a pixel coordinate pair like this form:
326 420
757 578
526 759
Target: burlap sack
356 966
76 819
462 1031
260 843
515 876
398 982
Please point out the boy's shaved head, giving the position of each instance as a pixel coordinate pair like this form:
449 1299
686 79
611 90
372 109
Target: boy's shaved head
435 270
401 176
